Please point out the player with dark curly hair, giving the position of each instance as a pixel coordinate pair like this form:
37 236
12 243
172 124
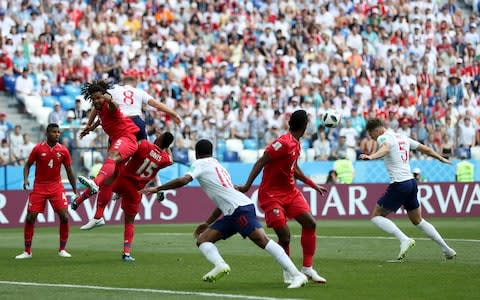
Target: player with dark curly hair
121 131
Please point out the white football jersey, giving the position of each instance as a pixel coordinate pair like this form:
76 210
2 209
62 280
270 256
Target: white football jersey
216 182
397 160
129 99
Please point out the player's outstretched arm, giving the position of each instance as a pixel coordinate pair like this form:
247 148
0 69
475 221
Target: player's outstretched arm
71 178
430 152
172 184
26 173
384 150
89 127
162 107
302 177
257 168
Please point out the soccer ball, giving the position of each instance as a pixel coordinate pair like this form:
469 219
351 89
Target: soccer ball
331 119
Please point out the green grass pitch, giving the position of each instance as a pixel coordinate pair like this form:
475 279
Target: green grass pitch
352 256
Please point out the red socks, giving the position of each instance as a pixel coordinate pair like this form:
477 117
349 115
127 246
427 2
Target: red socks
128 233
64 228
107 171
309 245
28 230
84 196
104 196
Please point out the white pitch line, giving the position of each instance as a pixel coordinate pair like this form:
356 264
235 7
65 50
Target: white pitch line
339 237
155 291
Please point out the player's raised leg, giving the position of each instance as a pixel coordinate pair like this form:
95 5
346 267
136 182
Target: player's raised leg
103 198
415 217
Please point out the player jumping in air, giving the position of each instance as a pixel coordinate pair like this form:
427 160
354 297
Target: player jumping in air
395 150
130 101
48 157
278 196
122 133
238 215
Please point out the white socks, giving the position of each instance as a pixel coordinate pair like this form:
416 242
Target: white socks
210 251
281 257
432 233
389 227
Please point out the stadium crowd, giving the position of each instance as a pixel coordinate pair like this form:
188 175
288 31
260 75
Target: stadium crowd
236 70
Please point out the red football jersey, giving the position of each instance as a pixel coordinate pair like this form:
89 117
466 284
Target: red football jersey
145 163
278 174
115 124
48 161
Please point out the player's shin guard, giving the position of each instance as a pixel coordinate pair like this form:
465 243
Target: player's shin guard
107 171
128 233
104 196
210 251
28 236
309 245
64 229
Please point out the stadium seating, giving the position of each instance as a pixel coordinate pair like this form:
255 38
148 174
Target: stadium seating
58 91
250 144
9 82
248 156
67 102
180 155
72 90
49 101
230 156
235 145
475 153
221 147
310 154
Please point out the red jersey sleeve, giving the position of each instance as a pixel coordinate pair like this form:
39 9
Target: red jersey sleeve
276 150
67 160
33 155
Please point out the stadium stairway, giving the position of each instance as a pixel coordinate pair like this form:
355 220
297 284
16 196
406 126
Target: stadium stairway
9 105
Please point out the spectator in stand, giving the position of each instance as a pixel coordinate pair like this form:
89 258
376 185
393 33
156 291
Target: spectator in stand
16 139
340 150
6 66
332 177
350 133
5 153
5 126
322 147
104 63
466 135
57 115
240 128
24 89
25 149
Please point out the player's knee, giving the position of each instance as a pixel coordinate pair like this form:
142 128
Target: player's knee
310 224
31 218
63 219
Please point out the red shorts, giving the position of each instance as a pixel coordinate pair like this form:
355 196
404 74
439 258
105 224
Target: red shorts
278 207
128 191
39 196
125 146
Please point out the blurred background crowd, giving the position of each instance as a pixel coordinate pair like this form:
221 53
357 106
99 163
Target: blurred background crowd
235 70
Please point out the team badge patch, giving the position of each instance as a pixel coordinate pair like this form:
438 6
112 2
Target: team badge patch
276 146
276 212
59 154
